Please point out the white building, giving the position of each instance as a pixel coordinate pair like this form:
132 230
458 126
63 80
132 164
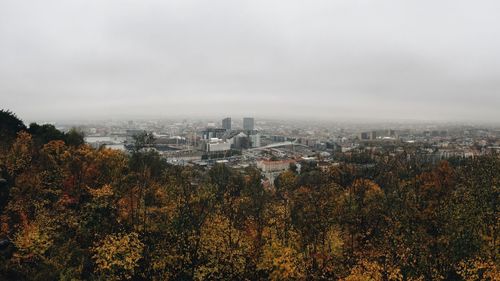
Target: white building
216 145
269 166
255 140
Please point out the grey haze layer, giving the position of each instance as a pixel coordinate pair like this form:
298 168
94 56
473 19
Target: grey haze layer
422 59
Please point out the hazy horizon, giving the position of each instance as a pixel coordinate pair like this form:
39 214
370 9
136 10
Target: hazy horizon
302 121
318 60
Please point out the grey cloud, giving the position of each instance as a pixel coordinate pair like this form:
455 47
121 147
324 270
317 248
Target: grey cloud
318 59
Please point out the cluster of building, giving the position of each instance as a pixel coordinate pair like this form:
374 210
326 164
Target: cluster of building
273 146
217 141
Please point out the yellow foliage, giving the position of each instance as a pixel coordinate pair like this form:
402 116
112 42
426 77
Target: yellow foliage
224 247
20 154
166 259
117 255
281 261
32 242
277 216
55 150
104 191
127 204
478 269
370 189
372 271
333 242
34 238
112 157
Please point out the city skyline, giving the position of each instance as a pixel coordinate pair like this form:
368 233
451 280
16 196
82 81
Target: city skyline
249 140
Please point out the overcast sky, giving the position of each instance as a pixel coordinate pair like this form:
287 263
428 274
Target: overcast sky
334 59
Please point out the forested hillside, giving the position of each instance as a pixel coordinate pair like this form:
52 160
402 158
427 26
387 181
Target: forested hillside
71 212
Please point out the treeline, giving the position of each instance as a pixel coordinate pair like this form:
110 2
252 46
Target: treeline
71 212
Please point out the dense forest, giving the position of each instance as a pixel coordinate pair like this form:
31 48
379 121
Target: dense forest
71 212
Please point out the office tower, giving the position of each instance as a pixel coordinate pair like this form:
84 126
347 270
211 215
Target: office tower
226 123
255 140
248 123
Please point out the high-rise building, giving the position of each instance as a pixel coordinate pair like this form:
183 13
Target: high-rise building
255 140
248 124
364 136
226 123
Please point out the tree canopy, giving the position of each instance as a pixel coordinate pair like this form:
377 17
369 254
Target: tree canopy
72 212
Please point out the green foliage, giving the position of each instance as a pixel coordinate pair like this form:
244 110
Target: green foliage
45 133
142 140
74 137
10 125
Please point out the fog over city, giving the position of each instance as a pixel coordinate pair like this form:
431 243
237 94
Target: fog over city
399 60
